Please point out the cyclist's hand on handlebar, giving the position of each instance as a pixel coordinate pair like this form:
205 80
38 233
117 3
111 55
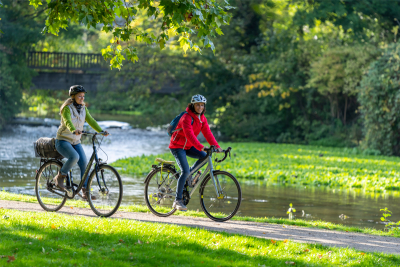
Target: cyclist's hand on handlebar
105 133
219 150
205 149
77 132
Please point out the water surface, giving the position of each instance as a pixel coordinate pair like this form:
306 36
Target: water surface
260 199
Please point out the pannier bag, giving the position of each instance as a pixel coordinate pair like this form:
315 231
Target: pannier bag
45 147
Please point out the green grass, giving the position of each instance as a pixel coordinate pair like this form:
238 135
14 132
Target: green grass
53 239
297 222
296 164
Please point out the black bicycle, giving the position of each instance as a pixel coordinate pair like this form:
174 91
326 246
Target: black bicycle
104 185
220 192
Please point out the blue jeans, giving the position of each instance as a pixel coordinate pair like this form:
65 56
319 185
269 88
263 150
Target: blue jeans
180 156
74 154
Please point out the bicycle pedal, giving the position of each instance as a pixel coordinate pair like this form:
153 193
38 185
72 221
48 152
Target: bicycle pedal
79 194
70 193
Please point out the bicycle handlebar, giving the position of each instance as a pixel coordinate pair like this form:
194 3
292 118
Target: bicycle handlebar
212 149
91 133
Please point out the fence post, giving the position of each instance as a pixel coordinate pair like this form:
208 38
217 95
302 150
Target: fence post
67 62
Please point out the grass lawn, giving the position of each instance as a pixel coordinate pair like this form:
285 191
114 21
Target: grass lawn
54 239
296 164
394 232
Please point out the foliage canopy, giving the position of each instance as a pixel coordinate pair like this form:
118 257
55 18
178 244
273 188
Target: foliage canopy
182 18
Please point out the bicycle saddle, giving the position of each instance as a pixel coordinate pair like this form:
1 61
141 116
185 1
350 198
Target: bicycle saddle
165 161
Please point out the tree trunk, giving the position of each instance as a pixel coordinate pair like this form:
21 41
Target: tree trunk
337 107
331 101
345 110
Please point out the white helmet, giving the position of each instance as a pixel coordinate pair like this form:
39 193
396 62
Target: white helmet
199 99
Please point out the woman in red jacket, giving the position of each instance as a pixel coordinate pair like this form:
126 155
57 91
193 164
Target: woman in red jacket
184 143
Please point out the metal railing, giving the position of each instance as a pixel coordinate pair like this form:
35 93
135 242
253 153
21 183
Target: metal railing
66 61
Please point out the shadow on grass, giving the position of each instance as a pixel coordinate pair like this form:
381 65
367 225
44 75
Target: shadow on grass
44 246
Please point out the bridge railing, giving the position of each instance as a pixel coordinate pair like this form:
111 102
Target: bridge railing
66 61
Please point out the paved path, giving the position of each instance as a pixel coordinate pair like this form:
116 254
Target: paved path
261 230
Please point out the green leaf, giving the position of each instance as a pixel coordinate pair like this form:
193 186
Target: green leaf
118 11
162 43
36 3
199 14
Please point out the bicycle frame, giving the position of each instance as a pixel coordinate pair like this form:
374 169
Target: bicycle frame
95 158
210 170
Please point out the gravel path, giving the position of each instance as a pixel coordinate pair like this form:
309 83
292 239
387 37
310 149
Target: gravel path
261 230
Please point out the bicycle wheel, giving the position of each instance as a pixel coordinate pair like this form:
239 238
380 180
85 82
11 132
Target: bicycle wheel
107 191
48 195
221 208
160 191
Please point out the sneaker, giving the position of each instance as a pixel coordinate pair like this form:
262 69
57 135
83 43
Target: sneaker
178 204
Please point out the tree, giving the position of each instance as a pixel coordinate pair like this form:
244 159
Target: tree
379 97
20 24
337 75
363 18
120 17
10 93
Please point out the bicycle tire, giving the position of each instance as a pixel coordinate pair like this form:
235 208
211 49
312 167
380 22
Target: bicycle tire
157 189
106 203
215 208
45 190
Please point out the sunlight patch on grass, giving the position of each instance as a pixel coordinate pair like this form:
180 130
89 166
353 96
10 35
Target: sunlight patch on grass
191 213
53 239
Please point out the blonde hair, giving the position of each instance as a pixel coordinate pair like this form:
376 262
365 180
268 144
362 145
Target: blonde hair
67 102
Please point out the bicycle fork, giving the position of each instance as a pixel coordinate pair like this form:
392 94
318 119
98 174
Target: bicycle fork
103 189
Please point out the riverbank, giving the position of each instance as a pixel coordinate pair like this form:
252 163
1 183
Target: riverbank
190 213
34 237
295 164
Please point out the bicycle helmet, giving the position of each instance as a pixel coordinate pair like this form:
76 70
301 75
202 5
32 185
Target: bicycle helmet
74 89
198 99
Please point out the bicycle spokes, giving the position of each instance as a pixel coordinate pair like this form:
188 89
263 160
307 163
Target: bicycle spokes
160 191
225 204
49 196
106 192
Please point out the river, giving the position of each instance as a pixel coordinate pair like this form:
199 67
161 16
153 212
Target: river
260 199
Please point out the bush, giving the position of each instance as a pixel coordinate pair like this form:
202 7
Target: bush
379 97
250 116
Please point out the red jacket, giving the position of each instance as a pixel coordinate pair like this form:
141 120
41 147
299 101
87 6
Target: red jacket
187 136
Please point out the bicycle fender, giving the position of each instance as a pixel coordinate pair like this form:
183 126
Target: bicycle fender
38 170
98 166
104 163
157 168
148 175
207 176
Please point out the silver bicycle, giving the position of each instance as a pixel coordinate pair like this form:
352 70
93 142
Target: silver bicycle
220 192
